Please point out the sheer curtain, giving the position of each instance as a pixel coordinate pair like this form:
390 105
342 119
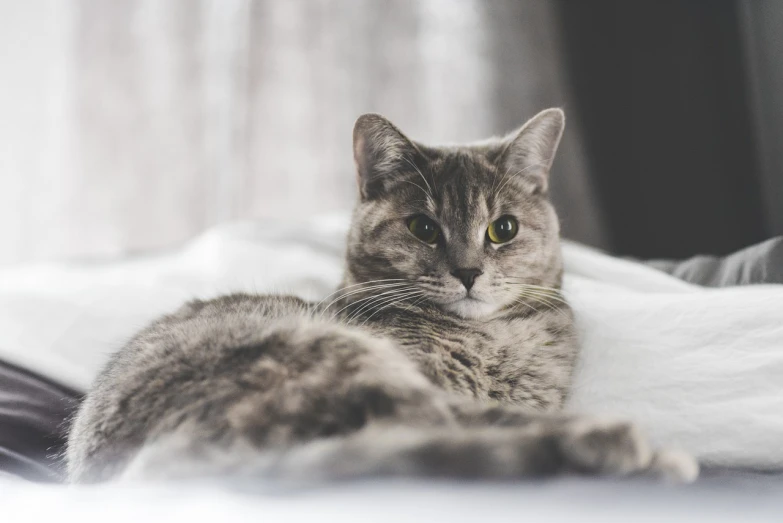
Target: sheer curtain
135 124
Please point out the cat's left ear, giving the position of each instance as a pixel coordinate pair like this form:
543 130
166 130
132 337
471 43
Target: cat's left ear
530 151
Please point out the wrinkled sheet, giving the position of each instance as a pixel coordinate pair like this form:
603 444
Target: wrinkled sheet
63 320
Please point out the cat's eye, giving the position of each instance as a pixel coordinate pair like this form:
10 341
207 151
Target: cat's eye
424 228
503 229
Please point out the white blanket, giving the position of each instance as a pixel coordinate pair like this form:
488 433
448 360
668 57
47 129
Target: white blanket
700 369
571 500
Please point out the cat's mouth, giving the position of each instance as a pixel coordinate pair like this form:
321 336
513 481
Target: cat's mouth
470 307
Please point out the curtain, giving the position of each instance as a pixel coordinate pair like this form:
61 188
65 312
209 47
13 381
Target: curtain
680 107
135 124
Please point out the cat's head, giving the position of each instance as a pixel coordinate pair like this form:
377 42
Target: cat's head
461 227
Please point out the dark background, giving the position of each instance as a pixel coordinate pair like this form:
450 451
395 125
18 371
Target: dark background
677 101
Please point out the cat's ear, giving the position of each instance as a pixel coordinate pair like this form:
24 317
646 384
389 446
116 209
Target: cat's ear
530 151
381 153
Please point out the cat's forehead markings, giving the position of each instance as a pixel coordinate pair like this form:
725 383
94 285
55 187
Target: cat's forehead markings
483 216
444 229
483 163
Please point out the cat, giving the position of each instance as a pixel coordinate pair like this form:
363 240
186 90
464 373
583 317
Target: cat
447 351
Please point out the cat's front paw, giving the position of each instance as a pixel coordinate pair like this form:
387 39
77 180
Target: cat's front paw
620 449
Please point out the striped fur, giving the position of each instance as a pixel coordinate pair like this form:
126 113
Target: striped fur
403 371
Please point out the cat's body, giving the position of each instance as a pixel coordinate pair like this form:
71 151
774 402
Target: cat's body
495 359
445 351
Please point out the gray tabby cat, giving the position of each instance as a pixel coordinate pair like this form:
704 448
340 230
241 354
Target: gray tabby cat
446 352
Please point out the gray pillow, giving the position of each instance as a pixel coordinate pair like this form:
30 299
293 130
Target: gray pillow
760 263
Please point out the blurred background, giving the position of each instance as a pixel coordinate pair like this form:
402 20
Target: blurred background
129 125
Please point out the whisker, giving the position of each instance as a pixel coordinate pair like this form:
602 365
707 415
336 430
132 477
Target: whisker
545 300
420 174
373 285
373 297
509 178
553 290
501 179
359 302
548 296
549 305
337 315
520 302
553 297
357 284
373 300
365 289
415 294
429 198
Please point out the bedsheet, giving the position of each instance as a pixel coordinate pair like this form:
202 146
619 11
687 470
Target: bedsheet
63 320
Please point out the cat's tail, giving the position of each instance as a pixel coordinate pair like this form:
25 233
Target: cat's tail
613 449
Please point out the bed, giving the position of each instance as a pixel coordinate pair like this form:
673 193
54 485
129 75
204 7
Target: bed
59 323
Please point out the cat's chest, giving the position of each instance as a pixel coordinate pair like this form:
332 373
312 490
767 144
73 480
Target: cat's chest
483 359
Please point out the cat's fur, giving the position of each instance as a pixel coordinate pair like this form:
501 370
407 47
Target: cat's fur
403 371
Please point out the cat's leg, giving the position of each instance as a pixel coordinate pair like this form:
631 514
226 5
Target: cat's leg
470 413
572 427
537 450
300 380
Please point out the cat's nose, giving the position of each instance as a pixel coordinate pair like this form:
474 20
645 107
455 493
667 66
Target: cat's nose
466 276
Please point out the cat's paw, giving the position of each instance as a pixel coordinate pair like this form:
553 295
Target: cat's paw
620 449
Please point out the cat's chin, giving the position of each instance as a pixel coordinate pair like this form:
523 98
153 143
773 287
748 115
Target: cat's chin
470 308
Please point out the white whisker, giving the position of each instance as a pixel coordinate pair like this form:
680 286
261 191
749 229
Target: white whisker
373 300
374 284
376 301
509 178
422 176
429 198
414 294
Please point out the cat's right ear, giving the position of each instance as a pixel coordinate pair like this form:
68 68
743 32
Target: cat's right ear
381 153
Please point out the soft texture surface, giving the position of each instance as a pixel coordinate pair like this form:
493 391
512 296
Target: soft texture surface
32 432
760 263
698 368
716 499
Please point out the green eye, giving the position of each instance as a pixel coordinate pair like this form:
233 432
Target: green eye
424 229
502 230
